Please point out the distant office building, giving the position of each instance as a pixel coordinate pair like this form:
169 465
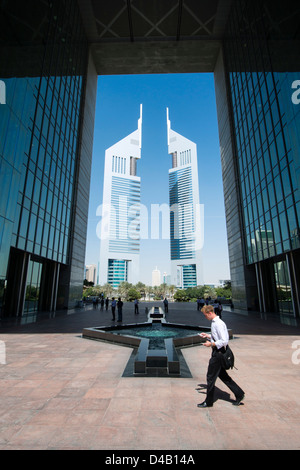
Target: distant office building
156 277
91 273
120 230
185 223
167 279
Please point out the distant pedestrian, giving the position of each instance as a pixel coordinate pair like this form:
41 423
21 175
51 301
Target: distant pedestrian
120 309
218 308
113 308
106 303
136 307
166 305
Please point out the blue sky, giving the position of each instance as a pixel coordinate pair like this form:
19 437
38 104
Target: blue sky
192 111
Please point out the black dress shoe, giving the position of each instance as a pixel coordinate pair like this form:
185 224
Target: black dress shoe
204 405
237 402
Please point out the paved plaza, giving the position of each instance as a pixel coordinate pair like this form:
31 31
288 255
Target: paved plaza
60 391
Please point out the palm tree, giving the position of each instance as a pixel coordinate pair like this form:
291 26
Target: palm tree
123 289
107 289
172 290
148 290
140 286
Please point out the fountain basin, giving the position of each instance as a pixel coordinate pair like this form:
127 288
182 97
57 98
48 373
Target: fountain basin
132 334
156 344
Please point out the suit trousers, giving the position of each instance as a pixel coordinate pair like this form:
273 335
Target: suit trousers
214 371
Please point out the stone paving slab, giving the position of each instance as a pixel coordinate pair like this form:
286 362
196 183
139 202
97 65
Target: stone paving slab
59 391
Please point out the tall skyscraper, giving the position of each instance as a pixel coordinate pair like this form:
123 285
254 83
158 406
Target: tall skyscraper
257 91
91 273
156 279
185 214
120 229
46 138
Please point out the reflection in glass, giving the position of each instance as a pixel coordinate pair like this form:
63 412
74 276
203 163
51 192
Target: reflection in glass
33 285
283 288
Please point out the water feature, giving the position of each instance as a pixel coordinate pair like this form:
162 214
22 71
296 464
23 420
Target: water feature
157 333
156 344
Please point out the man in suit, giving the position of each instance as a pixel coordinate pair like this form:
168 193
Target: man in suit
217 341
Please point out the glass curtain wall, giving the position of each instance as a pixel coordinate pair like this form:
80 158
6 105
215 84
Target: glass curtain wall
283 288
267 126
182 224
43 65
33 286
117 272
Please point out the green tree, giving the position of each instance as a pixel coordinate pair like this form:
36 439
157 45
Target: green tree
181 295
160 291
141 287
148 290
172 290
133 294
108 289
224 292
123 289
210 292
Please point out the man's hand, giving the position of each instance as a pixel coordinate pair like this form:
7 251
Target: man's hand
204 335
208 344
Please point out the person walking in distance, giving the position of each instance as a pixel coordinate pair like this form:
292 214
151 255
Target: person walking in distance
217 341
120 309
113 308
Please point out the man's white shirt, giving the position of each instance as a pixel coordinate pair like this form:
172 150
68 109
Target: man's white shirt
219 332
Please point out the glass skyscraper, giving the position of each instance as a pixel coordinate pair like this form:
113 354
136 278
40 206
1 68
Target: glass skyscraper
43 71
120 229
186 227
261 63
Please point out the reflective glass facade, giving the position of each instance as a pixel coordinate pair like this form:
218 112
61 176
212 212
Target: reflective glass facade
124 225
185 219
182 224
261 56
33 286
117 272
189 275
43 67
120 228
266 154
125 218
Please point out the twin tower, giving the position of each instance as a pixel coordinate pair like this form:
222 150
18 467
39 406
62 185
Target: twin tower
121 212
